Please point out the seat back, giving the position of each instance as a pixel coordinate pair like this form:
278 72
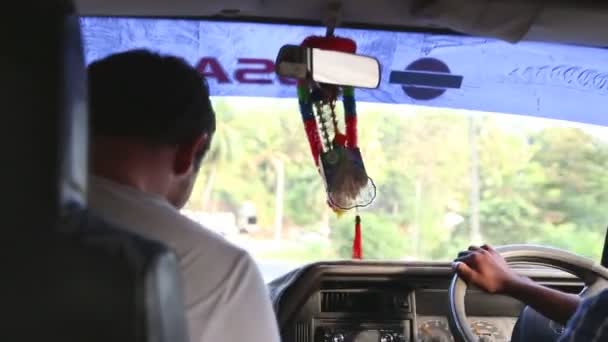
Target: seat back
67 275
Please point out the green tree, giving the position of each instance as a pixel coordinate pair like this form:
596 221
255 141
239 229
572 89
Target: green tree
510 182
382 238
224 149
576 189
544 186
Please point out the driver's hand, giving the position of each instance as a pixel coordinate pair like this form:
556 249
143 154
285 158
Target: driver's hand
486 269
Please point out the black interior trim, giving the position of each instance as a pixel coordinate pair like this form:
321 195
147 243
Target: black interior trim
299 22
604 261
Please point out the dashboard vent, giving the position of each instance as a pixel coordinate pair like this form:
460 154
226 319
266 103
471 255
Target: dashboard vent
302 332
337 301
364 302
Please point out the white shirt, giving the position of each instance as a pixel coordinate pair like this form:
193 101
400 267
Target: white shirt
225 296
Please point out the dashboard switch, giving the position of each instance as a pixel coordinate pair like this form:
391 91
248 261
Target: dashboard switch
387 338
338 337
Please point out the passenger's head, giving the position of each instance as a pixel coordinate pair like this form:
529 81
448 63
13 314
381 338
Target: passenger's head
151 121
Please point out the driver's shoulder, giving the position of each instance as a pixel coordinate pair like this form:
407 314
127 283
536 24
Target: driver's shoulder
590 322
595 307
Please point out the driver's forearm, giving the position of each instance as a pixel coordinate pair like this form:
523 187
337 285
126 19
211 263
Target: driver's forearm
553 304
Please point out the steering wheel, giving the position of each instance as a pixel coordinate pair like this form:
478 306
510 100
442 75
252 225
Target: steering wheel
591 273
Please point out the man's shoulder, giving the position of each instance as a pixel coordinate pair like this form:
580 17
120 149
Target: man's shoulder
154 218
191 239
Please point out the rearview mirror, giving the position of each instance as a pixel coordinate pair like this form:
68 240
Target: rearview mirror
326 66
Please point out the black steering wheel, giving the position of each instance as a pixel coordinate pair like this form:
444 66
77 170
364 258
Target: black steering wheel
591 273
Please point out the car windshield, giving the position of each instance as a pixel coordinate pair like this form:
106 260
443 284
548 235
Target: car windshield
499 143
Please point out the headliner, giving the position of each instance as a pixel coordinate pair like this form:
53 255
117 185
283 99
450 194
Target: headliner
575 22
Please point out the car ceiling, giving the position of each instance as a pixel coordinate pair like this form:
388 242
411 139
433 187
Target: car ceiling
577 22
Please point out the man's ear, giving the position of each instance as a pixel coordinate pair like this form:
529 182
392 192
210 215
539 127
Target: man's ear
186 155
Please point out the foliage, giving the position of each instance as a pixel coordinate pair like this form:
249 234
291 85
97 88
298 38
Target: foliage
540 181
382 237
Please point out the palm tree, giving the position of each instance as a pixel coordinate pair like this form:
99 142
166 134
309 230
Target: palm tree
476 236
224 149
270 153
274 145
279 169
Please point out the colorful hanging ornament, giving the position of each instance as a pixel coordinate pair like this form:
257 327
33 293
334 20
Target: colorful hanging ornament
334 144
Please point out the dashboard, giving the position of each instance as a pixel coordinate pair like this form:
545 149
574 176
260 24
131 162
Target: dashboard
391 302
436 328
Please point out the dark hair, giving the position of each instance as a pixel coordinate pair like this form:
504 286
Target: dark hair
153 98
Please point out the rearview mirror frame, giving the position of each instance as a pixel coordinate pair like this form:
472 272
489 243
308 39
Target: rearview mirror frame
294 61
298 62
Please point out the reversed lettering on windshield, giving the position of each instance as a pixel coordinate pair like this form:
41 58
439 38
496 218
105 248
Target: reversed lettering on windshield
249 71
563 76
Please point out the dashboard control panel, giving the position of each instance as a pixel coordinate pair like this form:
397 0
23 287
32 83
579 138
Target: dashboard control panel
347 301
368 314
365 332
488 329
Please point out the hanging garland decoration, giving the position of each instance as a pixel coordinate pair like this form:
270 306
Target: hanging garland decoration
335 150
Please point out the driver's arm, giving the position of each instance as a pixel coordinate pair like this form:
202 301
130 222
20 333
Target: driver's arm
486 269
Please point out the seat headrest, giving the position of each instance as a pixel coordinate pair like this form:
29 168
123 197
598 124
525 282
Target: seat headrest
43 103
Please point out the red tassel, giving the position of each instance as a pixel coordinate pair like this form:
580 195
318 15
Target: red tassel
357 245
